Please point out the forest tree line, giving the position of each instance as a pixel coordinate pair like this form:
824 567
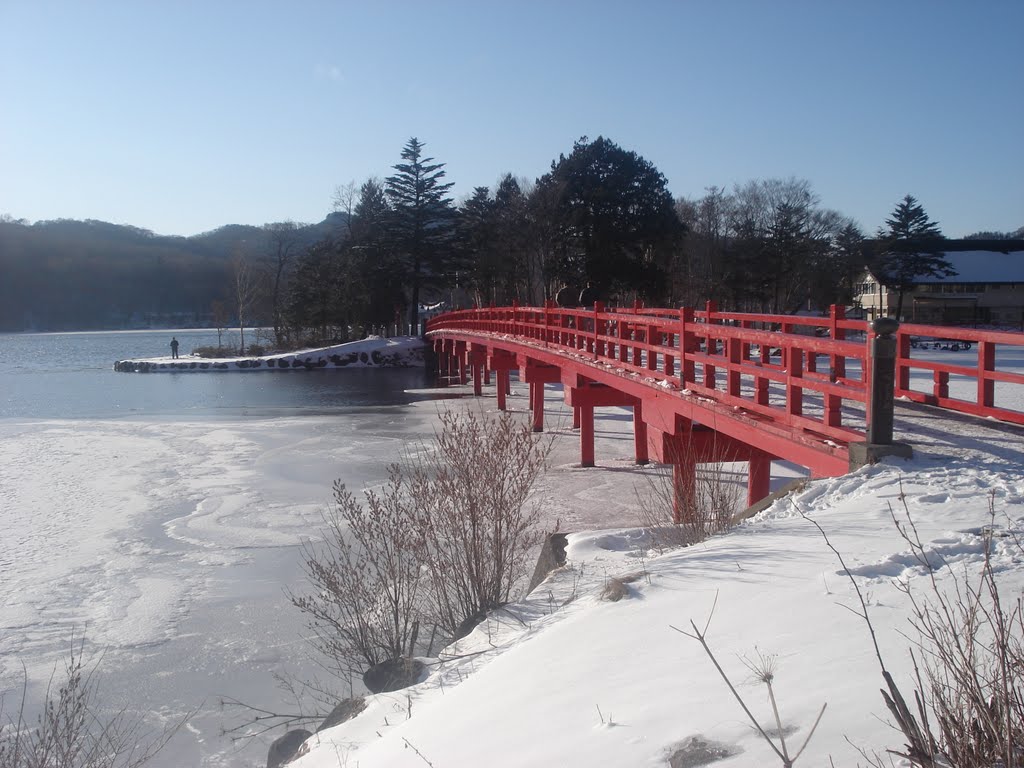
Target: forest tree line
602 215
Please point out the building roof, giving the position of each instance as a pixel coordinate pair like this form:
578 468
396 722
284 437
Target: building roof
981 267
977 261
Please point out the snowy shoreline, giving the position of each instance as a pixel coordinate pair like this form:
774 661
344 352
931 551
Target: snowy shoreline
371 352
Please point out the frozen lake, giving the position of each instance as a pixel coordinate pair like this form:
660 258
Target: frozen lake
160 516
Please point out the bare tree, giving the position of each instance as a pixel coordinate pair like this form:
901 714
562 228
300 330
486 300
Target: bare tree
282 243
245 282
345 200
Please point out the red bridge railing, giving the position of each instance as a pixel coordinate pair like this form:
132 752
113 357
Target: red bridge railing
807 373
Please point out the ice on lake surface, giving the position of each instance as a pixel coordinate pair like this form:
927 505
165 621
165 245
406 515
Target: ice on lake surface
160 517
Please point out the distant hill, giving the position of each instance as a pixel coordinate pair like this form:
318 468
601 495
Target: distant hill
88 275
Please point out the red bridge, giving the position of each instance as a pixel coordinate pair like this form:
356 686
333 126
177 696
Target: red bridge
710 386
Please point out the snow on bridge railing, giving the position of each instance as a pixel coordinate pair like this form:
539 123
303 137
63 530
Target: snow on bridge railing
806 372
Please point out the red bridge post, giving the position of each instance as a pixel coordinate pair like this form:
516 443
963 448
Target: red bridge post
640 434
537 405
759 477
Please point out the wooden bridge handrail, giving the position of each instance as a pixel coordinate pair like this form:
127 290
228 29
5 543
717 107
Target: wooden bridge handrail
660 345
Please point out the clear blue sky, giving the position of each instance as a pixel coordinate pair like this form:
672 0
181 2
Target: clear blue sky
183 115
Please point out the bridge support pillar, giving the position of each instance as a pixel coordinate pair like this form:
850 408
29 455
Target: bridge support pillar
584 396
586 434
440 352
684 489
477 360
460 355
502 388
501 363
537 375
759 478
537 405
640 434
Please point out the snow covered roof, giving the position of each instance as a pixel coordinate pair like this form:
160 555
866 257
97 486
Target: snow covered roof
982 267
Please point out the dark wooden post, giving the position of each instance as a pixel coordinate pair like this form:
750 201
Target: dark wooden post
883 381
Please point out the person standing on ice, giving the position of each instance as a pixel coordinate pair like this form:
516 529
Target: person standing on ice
174 348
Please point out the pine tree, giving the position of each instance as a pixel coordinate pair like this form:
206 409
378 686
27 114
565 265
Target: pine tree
615 217
421 222
910 249
475 238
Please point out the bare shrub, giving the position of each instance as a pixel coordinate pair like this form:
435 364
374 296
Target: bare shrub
477 523
69 732
445 541
365 578
968 660
679 508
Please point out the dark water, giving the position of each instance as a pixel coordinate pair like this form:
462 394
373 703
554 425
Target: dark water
71 376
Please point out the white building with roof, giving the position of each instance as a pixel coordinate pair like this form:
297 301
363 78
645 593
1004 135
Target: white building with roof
987 289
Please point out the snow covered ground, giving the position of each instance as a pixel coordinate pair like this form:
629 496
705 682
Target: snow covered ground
565 678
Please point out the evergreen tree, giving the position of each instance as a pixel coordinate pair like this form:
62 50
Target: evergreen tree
514 243
314 299
421 220
615 217
373 265
910 248
476 243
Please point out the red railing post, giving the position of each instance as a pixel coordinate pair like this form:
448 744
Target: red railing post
687 345
597 347
986 364
670 358
709 370
653 340
837 369
734 351
623 335
794 381
902 361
